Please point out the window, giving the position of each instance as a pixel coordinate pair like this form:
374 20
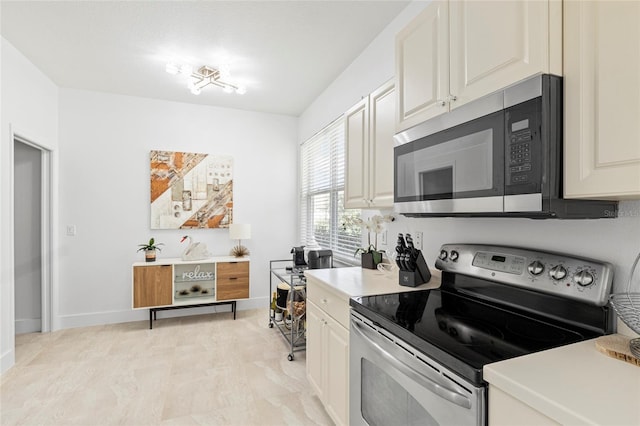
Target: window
322 209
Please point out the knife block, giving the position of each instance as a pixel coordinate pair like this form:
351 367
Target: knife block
415 278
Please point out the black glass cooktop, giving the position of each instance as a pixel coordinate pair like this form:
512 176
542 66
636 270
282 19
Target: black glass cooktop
463 333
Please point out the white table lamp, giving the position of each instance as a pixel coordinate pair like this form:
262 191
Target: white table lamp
239 231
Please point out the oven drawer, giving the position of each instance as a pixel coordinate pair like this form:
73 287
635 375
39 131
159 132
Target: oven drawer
332 303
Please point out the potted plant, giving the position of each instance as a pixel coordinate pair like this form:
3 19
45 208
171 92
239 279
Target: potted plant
370 256
150 249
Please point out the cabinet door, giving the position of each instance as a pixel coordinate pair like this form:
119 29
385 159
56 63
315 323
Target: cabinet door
232 280
602 99
422 67
495 44
382 106
152 286
356 156
336 352
503 409
314 348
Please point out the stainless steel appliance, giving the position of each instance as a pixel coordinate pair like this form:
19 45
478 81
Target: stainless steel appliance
498 156
320 259
417 357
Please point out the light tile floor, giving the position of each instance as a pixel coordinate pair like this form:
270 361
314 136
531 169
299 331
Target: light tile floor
191 370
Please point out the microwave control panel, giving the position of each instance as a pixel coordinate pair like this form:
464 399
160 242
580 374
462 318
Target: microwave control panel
523 151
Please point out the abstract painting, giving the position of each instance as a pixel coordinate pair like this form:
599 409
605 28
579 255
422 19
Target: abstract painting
190 190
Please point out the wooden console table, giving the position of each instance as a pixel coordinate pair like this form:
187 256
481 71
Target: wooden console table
169 284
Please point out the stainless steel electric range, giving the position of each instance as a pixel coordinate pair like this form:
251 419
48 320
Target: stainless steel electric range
416 357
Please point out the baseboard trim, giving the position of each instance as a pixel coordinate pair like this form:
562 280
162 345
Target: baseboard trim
7 360
115 317
28 325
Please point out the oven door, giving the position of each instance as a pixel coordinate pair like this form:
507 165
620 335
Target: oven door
457 170
393 383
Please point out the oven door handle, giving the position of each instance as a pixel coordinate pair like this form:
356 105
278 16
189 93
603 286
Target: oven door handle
438 388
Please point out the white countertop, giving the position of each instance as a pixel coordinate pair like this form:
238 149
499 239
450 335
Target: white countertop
573 385
357 281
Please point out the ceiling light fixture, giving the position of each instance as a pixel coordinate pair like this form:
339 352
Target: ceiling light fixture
205 76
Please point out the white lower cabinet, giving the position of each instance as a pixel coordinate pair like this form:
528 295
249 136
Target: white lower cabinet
505 410
328 362
314 349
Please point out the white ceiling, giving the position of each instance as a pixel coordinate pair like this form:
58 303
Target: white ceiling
285 52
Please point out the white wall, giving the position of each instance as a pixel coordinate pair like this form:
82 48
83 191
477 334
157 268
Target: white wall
374 66
104 191
613 240
29 109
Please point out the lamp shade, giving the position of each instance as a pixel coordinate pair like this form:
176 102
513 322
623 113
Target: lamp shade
239 231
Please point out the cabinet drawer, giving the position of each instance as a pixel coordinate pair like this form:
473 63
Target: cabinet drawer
232 270
231 289
329 301
232 281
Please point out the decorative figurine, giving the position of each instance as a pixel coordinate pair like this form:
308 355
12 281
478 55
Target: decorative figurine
195 251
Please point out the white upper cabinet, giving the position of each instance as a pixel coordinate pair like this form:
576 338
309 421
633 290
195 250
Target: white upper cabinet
369 130
382 110
458 51
356 156
495 44
422 66
602 99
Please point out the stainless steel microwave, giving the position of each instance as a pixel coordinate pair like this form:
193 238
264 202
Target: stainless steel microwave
500 155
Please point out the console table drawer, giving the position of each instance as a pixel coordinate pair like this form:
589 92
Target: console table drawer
235 270
232 280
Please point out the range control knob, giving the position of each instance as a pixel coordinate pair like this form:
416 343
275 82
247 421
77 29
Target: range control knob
443 255
558 272
583 278
454 255
535 268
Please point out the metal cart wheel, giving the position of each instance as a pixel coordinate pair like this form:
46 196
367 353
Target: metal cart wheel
290 357
270 325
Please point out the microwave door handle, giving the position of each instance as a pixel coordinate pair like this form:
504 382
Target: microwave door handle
437 388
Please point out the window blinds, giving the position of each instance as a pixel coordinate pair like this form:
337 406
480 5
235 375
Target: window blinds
322 210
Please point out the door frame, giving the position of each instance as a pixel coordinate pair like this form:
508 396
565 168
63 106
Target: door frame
46 237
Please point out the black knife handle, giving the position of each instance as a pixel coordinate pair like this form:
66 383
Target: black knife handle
401 242
409 239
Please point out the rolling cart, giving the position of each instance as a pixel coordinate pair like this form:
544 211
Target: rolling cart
290 286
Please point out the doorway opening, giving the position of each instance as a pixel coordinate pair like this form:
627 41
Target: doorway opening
31 236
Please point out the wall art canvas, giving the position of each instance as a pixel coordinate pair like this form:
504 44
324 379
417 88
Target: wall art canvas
190 190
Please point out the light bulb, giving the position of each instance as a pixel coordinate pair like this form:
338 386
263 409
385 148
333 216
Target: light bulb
172 68
241 90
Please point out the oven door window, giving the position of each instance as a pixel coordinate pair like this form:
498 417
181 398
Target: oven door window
466 161
391 383
385 402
